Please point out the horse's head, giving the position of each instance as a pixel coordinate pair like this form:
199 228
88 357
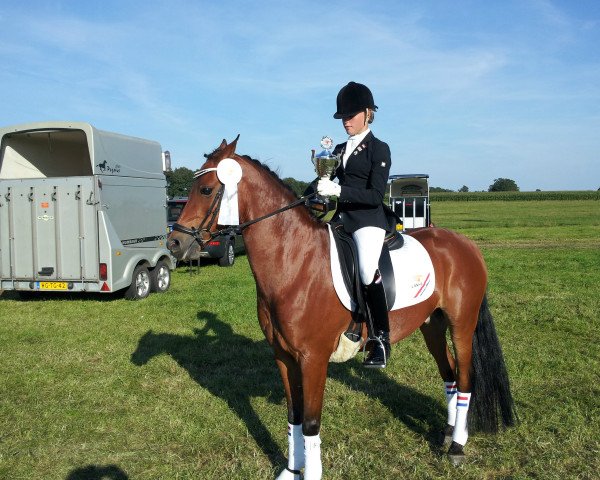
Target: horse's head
199 217
148 346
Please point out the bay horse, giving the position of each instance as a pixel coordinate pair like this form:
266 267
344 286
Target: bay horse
303 319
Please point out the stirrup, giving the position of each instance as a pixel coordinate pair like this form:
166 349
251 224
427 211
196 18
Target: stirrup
385 356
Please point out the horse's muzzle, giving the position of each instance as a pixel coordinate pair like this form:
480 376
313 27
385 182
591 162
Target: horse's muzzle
183 247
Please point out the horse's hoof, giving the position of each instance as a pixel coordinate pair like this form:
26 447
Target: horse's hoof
456 454
445 437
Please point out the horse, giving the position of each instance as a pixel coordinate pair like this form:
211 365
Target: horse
303 320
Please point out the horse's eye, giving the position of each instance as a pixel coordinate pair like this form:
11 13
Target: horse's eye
206 191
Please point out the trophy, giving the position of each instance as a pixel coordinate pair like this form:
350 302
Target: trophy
325 164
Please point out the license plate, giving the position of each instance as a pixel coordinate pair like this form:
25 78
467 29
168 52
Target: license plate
53 285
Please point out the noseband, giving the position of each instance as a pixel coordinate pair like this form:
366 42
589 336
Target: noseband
202 234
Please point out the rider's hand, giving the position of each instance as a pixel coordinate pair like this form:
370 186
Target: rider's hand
328 188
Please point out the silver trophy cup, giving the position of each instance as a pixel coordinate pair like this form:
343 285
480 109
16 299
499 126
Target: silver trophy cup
326 162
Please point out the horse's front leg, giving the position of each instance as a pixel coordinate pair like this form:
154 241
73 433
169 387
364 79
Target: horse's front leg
292 384
314 375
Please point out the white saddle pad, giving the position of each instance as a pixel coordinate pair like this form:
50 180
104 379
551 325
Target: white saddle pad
413 272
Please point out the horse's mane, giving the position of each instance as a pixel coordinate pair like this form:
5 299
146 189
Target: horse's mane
263 167
275 177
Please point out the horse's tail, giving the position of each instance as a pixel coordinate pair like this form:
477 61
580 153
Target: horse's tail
492 400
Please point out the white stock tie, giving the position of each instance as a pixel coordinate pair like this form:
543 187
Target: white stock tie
350 145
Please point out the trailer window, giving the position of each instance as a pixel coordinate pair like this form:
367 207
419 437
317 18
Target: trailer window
45 154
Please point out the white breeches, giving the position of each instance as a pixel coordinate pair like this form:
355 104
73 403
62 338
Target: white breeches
369 241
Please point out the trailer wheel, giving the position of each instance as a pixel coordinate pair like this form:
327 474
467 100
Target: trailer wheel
140 284
160 277
228 257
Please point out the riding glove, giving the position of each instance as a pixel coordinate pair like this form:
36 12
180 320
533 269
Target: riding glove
328 188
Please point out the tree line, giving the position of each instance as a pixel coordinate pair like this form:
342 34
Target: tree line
180 181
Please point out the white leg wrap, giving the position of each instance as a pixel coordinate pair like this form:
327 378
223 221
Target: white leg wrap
295 453
451 400
295 447
461 433
313 469
287 475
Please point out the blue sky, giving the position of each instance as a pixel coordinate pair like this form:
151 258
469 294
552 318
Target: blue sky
468 91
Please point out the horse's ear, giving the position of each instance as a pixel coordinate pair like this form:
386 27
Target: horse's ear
230 150
223 145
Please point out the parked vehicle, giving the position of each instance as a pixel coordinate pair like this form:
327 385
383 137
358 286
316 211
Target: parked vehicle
223 248
82 210
409 198
174 208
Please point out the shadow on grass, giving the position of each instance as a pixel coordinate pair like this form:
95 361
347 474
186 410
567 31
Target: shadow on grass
97 472
420 413
237 369
230 366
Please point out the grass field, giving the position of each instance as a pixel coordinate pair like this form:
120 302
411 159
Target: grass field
182 385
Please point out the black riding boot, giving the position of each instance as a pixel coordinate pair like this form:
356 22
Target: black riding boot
377 303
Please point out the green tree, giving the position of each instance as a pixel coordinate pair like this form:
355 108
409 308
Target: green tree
503 185
298 186
440 189
179 182
464 188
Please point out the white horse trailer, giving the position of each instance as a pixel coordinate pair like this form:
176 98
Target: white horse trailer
82 210
409 199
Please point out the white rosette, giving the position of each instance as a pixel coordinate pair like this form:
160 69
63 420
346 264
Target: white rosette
229 173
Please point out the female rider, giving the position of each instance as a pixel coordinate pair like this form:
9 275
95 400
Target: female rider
363 176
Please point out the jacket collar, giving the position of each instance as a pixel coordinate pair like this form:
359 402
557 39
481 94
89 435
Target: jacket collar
365 141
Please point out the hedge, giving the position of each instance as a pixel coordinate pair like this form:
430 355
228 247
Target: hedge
512 196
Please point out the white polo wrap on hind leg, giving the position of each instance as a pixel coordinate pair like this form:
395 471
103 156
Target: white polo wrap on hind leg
461 433
451 389
313 470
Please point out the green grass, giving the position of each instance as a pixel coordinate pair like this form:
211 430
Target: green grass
182 385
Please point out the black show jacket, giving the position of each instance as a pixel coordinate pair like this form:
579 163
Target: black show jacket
363 182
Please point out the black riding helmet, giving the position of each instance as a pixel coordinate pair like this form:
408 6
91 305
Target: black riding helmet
352 99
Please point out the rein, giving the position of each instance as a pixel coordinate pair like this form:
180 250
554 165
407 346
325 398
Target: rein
202 234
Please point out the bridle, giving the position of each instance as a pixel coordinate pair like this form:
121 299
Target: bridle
202 235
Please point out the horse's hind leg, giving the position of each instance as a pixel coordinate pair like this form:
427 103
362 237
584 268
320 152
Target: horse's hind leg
462 318
434 333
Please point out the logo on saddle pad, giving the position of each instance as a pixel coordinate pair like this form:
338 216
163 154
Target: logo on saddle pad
414 276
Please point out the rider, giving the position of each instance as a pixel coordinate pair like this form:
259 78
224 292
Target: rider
363 176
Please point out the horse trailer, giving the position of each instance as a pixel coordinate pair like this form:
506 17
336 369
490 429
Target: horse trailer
409 199
82 210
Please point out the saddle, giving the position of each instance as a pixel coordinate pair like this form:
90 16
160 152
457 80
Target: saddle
348 257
